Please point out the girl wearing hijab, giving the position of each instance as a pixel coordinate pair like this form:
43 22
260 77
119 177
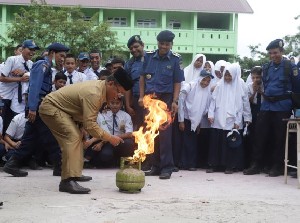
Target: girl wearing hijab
193 106
192 71
225 113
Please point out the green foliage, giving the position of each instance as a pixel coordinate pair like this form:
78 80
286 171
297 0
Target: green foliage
46 24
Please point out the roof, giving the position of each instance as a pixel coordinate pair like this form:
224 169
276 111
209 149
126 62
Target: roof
210 6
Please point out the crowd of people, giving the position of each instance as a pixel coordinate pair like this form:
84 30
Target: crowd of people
69 112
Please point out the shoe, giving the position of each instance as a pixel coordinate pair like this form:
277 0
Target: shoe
192 169
228 171
165 176
33 165
72 187
254 169
152 172
82 178
1 203
12 167
175 169
210 170
276 171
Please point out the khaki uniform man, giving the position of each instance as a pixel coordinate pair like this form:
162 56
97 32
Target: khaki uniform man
65 110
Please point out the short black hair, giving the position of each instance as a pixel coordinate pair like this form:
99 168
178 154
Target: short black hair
96 51
118 60
60 75
18 46
70 55
256 70
104 73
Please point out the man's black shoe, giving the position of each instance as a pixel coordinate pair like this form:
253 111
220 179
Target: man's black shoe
275 172
33 165
12 167
72 187
254 169
152 172
165 176
175 169
82 178
192 169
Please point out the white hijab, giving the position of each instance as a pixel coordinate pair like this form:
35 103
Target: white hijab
190 72
229 97
196 101
218 66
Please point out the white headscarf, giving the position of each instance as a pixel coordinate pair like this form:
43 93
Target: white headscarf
229 97
196 101
190 72
218 66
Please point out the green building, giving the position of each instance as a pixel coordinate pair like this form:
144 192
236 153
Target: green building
201 26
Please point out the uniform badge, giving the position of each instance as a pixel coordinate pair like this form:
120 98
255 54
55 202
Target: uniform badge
103 122
136 38
148 76
169 67
280 44
295 72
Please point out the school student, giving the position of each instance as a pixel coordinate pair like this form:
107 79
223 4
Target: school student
60 81
192 71
116 122
225 114
193 107
72 74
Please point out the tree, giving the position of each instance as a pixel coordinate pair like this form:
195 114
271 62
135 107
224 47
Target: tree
46 24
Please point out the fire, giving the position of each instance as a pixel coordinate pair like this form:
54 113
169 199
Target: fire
158 118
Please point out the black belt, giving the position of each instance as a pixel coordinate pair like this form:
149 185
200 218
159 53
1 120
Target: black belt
277 98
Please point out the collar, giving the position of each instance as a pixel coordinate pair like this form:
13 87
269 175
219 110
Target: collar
68 74
168 55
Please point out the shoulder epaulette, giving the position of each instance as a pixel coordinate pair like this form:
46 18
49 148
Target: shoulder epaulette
150 51
176 54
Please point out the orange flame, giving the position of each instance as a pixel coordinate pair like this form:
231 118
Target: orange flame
158 118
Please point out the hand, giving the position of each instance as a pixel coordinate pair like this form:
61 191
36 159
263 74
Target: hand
115 140
211 120
24 79
174 109
236 126
97 147
87 144
18 72
181 126
7 146
31 116
141 103
130 111
17 144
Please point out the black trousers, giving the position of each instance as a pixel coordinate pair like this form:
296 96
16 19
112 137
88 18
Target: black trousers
7 114
38 134
270 127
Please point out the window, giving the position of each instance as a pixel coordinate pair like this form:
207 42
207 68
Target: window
87 18
146 23
117 21
174 24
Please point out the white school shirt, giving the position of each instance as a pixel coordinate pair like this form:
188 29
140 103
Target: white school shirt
15 105
12 63
77 77
16 127
124 122
85 71
90 75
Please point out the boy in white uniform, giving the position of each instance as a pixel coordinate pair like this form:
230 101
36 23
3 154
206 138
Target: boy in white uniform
72 74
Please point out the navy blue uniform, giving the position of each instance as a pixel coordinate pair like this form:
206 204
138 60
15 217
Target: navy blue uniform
160 74
277 105
40 84
134 68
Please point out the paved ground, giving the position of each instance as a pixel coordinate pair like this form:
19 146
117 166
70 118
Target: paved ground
186 197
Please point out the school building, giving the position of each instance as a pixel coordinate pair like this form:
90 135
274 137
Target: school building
201 26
